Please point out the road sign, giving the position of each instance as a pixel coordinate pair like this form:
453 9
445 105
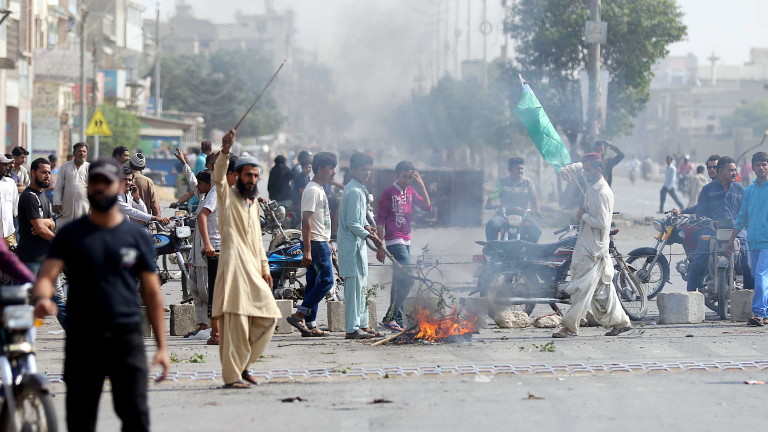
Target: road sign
98 125
596 32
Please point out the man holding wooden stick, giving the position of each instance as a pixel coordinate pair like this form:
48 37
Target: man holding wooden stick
242 301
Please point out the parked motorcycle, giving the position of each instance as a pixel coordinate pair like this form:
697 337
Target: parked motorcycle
173 246
27 402
652 267
522 274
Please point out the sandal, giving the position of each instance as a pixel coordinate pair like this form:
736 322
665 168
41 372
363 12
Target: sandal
213 340
249 378
237 385
395 327
618 330
358 334
314 332
755 322
563 333
298 323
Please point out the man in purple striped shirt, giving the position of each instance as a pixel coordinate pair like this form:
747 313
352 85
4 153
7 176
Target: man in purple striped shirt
393 224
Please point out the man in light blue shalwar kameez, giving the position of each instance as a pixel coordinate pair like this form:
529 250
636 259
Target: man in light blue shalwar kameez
353 256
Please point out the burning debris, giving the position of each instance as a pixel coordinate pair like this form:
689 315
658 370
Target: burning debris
433 328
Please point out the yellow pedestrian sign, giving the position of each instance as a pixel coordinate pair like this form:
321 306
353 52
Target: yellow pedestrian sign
98 125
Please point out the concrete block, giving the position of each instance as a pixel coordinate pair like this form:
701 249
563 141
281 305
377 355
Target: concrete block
475 306
286 309
680 308
146 328
741 305
411 303
182 319
336 321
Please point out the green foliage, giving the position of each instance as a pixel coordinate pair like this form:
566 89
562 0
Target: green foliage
456 114
751 115
222 86
551 53
125 129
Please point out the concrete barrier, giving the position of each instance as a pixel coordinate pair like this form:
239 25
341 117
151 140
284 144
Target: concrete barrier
741 305
182 319
680 308
286 309
477 306
336 321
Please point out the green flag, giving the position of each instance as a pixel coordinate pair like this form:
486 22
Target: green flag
543 134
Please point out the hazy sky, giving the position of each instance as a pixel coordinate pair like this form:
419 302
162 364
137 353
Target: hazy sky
731 27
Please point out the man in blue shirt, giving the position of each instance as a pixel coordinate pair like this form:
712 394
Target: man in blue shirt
753 214
719 201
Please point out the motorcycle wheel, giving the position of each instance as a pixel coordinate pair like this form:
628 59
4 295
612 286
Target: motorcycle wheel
632 294
653 278
493 283
34 411
719 301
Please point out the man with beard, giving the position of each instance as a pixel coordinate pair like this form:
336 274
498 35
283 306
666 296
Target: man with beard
36 226
104 254
592 267
353 256
242 299
9 203
69 198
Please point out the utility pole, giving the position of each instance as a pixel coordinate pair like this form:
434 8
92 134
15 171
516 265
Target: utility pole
594 110
158 103
83 101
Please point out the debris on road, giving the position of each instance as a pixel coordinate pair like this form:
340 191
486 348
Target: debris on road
532 396
293 399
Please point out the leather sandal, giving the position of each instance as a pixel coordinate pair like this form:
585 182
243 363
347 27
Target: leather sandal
358 334
563 333
237 385
618 330
298 323
755 322
314 332
249 378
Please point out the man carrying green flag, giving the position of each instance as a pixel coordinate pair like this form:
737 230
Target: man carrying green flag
541 130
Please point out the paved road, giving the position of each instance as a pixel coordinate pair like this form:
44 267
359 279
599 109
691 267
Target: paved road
710 397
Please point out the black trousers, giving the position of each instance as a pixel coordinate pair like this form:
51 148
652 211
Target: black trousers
213 269
91 357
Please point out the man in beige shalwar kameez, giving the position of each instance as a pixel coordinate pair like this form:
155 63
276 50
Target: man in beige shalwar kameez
70 199
242 298
591 265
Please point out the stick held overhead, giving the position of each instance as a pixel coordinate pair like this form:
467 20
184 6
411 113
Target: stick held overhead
260 95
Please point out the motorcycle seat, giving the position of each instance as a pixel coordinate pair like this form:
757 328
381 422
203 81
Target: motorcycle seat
523 250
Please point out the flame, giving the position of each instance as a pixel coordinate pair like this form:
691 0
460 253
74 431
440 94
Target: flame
433 328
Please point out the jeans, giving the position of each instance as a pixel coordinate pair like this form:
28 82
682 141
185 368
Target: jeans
58 294
700 261
663 197
319 281
401 284
530 230
121 357
759 259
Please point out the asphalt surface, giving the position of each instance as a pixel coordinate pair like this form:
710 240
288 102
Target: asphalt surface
689 377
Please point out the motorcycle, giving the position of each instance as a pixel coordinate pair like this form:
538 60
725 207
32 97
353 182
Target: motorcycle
634 172
652 267
172 244
27 401
514 219
522 274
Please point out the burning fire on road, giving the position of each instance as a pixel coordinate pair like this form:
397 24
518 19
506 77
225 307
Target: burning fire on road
431 328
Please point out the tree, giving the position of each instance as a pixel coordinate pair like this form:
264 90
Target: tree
751 115
551 53
125 129
222 87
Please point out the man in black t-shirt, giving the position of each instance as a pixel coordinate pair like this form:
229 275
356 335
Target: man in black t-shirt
36 226
104 254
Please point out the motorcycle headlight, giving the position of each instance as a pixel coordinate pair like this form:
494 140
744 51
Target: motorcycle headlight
280 213
19 317
514 220
658 226
183 231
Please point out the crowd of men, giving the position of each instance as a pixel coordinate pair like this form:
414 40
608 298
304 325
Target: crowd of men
102 209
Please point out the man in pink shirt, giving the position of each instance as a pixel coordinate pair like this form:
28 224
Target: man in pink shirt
393 224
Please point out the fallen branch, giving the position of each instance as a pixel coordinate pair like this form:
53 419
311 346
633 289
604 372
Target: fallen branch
383 341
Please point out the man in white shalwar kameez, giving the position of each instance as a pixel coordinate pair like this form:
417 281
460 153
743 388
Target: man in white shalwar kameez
70 199
591 266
